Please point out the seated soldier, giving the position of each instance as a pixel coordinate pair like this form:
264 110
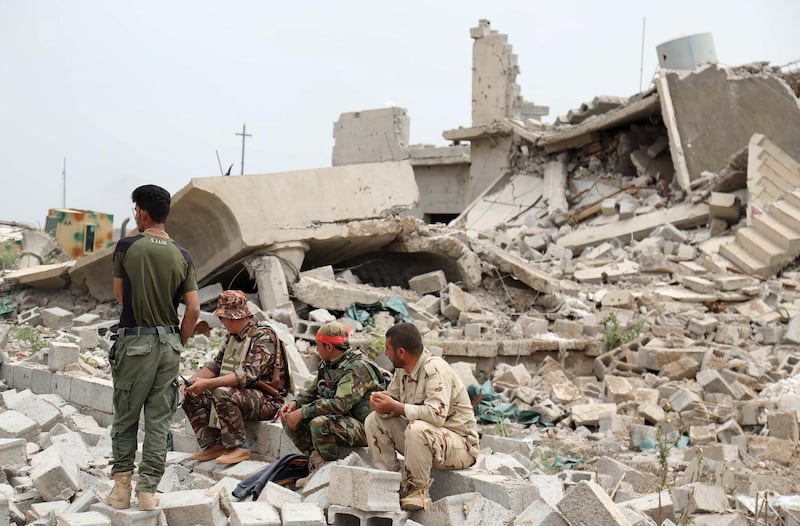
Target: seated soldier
247 380
331 412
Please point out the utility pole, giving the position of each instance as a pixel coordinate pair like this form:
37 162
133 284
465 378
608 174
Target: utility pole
243 134
641 63
64 185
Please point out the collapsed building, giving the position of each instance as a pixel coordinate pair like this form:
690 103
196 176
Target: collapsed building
625 281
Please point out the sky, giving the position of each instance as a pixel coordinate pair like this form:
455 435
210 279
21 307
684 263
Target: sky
142 92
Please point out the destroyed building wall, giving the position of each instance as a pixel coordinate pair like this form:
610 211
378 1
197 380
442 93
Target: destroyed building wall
371 136
712 113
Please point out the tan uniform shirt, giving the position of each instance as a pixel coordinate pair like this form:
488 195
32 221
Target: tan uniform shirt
434 393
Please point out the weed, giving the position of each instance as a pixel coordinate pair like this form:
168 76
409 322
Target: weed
502 426
546 460
31 335
614 333
378 345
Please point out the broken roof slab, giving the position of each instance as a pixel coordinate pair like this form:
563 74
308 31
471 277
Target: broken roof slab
712 113
320 216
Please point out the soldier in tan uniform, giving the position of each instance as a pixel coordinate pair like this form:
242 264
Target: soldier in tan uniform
425 414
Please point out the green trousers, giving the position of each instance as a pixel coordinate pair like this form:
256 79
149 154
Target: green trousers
144 370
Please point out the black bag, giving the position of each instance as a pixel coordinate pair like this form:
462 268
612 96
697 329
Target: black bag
284 471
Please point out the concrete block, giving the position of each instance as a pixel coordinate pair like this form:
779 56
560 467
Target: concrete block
86 518
783 425
86 426
40 510
453 302
253 514
568 329
466 508
57 318
540 513
130 517
87 337
40 379
429 283
192 508
617 389
713 382
44 413
85 319
430 304
12 453
32 317
344 516
302 514
95 393
683 368
276 495
695 497
365 488
514 376
14 424
587 503
589 414
512 494
55 475
639 433
650 504
683 400
724 206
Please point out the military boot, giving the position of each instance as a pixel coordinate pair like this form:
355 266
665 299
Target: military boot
416 498
120 496
315 461
147 501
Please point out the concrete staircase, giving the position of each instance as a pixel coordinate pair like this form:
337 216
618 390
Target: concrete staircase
772 242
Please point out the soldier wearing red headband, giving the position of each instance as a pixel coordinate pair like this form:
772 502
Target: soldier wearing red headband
331 412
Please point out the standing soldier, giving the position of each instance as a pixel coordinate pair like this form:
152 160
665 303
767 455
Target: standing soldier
331 412
247 380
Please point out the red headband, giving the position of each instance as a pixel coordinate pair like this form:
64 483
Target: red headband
333 340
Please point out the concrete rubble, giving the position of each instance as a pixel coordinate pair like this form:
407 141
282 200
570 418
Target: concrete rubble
625 279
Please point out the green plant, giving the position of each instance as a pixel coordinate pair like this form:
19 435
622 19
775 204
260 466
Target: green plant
502 426
615 335
9 255
546 460
31 335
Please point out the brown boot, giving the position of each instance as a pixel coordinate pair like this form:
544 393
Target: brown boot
315 461
147 501
234 455
417 498
120 496
209 453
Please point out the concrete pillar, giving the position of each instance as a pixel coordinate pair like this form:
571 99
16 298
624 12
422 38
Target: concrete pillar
280 264
36 245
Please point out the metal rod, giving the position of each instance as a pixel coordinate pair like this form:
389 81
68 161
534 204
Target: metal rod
64 185
641 63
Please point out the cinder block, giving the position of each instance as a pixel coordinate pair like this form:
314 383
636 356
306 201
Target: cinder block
14 424
344 516
428 283
85 320
276 495
192 508
466 508
57 318
44 413
651 505
130 517
86 518
541 513
12 453
365 488
251 513
783 425
692 498
95 393
32 317
453 302
430 304
512 494
302 514
55 476
587 503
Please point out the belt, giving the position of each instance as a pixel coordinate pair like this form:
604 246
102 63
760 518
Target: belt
144 331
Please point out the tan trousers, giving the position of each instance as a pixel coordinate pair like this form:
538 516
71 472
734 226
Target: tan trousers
423 445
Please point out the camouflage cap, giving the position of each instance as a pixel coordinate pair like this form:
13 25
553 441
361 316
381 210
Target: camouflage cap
232 304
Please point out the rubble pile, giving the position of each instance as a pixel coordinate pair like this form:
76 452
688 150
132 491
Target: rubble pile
620 293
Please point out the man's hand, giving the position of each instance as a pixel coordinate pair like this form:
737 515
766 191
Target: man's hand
384 404
199 386
288 407
293 419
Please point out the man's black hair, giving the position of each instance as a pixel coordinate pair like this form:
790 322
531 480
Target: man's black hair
154 199
407 336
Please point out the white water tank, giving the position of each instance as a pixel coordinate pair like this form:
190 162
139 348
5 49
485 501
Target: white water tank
688 52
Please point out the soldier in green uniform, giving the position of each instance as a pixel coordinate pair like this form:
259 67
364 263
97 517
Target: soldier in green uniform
152 273
247 380
331 412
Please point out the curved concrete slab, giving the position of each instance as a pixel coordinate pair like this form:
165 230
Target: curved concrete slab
320 216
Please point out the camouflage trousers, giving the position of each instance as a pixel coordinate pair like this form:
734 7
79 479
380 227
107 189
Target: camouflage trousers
423 445
326 433
234 406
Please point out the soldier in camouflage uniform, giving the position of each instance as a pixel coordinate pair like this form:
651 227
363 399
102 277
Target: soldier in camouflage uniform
331 412
247 380
425 414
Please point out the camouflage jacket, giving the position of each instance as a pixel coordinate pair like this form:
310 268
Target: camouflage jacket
341 387
259 363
